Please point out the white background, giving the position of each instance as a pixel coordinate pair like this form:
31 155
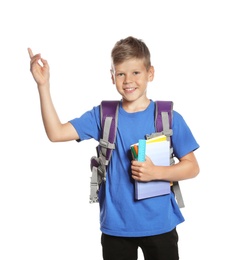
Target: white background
198 55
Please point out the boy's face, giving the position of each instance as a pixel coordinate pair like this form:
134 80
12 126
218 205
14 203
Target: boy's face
131 78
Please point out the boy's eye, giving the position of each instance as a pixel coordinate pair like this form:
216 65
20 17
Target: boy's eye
122 74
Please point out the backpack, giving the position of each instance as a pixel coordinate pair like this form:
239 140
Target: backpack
109 117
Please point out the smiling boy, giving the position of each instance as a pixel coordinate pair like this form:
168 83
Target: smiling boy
126 223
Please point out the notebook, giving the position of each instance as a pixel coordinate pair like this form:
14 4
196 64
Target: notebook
158 149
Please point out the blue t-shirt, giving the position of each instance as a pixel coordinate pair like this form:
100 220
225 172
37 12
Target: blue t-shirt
120 213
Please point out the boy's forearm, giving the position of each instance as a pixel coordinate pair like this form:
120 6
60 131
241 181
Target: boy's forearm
50 117
186 168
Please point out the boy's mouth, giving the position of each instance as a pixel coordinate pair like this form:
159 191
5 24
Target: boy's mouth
129 89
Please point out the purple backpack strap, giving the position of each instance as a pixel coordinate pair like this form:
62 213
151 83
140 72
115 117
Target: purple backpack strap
163 117
163 123
109 114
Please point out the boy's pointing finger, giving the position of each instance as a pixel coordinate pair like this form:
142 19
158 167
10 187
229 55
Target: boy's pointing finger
30 52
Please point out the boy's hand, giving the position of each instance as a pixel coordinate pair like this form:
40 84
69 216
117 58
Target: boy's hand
143 171
39 72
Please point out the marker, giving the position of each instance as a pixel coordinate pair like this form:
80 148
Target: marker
136 149
133 153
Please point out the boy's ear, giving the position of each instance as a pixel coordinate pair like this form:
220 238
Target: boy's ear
112 76
151 74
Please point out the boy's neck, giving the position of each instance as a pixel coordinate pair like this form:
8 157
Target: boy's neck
135 106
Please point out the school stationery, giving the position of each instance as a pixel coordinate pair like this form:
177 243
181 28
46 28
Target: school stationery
158 149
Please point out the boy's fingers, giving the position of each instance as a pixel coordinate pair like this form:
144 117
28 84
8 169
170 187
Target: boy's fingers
30 52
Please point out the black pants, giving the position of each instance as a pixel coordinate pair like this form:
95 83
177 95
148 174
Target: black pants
159 247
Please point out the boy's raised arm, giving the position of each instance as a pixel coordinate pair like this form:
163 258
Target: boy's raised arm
56 131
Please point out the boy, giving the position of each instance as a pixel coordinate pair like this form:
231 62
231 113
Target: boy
125 223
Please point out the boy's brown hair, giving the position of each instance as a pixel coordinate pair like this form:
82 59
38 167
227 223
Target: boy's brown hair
130 48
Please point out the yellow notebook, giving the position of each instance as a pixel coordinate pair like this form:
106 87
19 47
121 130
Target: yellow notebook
156 139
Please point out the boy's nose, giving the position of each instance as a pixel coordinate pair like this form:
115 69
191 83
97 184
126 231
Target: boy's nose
127 79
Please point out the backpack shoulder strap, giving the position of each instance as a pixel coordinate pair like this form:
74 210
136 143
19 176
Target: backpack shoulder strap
163 125
109 119
99 163
163 117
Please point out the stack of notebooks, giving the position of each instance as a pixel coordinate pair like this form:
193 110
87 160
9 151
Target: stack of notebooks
158 149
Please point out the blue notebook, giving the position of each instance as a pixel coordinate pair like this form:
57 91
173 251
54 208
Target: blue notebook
159 152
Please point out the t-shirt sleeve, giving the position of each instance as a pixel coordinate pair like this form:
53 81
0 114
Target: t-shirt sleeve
88 125
183 140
